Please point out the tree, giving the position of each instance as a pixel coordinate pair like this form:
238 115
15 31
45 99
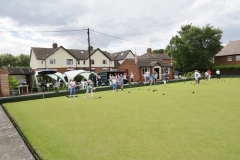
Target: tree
23 60
8 59
194 47
158 51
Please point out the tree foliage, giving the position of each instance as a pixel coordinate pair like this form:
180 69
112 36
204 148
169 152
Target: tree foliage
158 51
8 59
194 47
23 60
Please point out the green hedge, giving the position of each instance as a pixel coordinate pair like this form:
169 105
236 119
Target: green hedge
223 67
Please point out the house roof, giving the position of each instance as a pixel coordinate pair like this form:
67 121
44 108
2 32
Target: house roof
43 53
150 62
154 56
232 48
121 55
18 70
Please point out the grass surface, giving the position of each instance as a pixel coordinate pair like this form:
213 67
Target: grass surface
170 123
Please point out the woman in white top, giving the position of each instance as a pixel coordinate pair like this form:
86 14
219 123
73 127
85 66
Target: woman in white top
72 85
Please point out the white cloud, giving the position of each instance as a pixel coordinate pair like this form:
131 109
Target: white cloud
150 23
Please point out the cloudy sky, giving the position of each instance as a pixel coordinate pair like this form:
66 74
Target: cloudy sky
115 25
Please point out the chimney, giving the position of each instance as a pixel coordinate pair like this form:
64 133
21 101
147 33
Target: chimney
91 48
164 51
55 45
149 51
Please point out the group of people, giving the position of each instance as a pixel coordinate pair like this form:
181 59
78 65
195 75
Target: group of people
89 88
116 80
153 78
207 75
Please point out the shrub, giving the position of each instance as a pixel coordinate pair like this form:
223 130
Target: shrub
13 82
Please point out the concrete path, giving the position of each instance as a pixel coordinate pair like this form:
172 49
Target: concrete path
12 146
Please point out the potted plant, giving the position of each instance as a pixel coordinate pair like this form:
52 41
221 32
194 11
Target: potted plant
13 85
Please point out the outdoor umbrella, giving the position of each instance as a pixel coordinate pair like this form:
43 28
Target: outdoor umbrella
47 72
43 72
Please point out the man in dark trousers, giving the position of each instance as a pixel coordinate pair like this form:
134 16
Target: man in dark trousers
94 79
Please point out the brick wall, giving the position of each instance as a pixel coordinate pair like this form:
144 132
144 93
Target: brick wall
223 60
129 67
4 85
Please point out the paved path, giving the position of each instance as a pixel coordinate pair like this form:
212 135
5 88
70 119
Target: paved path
12 146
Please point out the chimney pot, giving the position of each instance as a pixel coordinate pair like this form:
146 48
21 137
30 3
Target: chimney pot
149 50
55 45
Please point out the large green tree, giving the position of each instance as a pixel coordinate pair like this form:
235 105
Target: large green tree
23 60
8 59
194 47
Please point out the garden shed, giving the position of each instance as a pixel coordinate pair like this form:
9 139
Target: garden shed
24 75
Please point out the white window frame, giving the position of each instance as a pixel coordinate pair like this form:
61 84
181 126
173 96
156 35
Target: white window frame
69 61
238 58
166 68
104 61
92 61
104 69
52 61
229 58
145 70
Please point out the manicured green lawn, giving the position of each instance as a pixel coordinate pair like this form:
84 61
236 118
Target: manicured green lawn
140 125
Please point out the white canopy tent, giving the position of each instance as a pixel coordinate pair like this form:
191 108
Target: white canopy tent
72 74
54 76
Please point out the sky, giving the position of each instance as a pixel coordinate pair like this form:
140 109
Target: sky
115 25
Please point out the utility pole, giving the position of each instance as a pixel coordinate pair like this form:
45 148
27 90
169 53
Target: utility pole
89 55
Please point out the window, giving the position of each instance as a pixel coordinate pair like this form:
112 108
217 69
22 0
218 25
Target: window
69 62
145 70
41 62
104 61
237 58
52 61
229 58
78 62
167 70
92 61
104 69
83 62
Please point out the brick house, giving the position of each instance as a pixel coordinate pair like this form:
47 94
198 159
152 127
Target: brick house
150 62
23 75
229 55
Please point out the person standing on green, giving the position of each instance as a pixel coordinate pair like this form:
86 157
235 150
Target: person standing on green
218 74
